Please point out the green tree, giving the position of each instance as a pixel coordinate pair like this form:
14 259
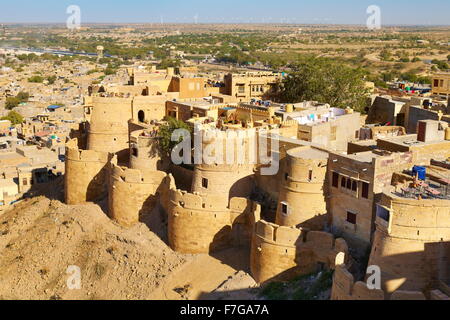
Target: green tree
11 103
14 117
23 96
51 79
36 79
326 81
165 133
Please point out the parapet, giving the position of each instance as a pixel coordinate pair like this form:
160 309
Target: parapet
281 253
345 288
205 223
86 174
134 193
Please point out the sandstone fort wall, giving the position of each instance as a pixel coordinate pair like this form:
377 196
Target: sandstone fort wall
133 193
86 174
284 252
202 224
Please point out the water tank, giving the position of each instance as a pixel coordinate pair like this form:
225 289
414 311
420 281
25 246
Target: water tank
421 172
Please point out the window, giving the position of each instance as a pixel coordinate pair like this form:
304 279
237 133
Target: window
335 179
310 176
365 190
351 217
134 152
383 213
284 208
344 182
349 184
436 83
25 182
205 183
141 116
355 186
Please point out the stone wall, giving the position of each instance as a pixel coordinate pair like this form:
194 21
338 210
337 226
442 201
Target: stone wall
345 288
281 253
108 128
145 152
202 224
86 174
133 193
412 244
302 195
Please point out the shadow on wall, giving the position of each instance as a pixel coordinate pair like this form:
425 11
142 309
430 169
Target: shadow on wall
97 189
419 271
123 157
153 214
242 188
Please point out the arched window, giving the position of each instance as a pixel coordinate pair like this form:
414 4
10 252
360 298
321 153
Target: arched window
141 116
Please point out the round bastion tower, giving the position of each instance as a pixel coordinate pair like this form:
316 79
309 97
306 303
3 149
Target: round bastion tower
108 127
134 193
412 243
86 176
302 196
144 150
232 179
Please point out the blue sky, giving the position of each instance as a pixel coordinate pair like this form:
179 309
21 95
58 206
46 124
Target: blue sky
409 12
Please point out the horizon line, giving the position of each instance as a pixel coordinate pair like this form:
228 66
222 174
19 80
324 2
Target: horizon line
225 23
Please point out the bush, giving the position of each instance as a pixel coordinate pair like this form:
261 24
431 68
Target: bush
36 79
14 117
274 291
11 103
51 80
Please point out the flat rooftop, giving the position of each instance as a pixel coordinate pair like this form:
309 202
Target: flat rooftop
410 141
308 153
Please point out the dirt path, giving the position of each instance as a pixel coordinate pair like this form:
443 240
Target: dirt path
203 274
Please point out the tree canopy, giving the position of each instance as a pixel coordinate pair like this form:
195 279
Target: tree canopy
13 102
165 133
14 117
323 80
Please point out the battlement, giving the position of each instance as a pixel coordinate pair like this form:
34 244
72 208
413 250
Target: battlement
422 220
202 223
108 100
292 236
135 176
284 252
85 174
196 201
134 193
345 288
283 236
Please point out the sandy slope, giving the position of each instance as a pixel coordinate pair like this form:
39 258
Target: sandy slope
40 239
